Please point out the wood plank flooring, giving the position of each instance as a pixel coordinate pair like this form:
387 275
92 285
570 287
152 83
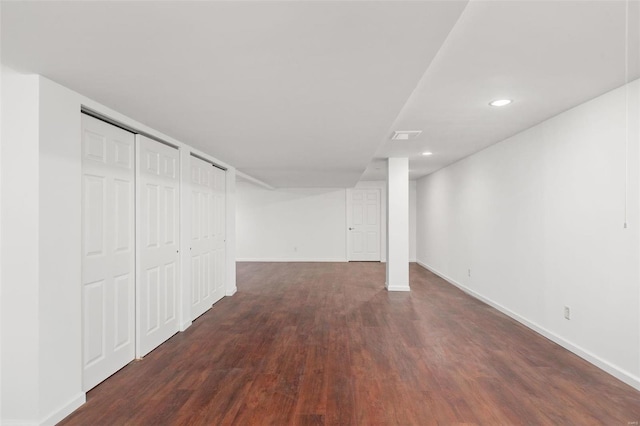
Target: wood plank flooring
325 344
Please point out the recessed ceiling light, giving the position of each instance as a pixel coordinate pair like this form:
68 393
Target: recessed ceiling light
500 102
405 135
427 153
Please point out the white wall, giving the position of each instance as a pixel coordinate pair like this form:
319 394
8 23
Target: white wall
19 247
538 220
271 223
59 244
41 246
303 224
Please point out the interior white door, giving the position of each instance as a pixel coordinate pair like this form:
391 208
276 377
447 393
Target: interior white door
157 218
108 253
363 222
207 239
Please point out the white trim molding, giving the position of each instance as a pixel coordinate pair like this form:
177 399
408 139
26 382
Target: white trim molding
291 259
397 287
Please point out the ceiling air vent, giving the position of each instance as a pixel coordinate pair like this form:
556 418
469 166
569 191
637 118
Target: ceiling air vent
405 135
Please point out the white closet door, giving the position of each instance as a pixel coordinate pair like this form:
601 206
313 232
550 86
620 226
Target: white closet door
108 274
219 233
202 221
157 220
207 235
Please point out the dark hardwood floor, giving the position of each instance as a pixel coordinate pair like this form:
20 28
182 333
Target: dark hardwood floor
324 343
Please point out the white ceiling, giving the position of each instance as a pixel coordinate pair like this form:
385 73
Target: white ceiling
292 93
308 93
548 56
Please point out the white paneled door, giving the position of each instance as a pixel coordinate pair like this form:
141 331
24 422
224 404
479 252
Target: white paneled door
207 235
363 222
157 200
108 251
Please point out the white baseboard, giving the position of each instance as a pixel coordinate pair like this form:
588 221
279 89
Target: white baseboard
231 291
290 259
396 287
602 364
65 410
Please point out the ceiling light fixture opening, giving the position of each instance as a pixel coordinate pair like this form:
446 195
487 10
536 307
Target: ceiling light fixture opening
500 102
427 153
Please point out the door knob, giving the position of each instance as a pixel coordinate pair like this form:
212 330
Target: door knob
351 229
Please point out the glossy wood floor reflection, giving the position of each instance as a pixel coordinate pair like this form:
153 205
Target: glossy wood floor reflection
324 343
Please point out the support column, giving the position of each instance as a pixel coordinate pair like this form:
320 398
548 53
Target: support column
397 224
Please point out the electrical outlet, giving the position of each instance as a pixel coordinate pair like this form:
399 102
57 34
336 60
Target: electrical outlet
567 312
469 272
